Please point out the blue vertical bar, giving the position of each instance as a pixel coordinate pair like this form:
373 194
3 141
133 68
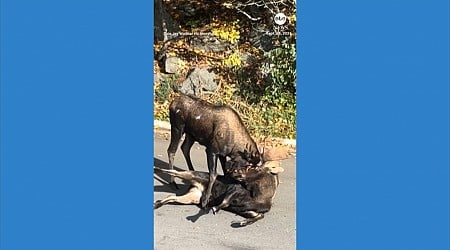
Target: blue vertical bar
76 124
373 125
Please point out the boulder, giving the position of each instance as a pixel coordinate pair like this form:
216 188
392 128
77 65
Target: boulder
197 81
172 64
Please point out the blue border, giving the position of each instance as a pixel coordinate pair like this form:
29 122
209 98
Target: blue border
76 124
374 125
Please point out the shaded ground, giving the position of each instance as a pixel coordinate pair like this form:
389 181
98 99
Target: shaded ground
186 227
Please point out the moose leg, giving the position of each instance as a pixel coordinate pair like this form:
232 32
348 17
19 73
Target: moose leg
223 161
191 176
191 197
175 137
226 201
212 167
251 216
186 148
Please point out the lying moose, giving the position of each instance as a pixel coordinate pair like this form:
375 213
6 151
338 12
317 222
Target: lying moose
245 190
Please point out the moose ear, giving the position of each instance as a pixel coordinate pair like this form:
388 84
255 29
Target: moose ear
274 167
277 170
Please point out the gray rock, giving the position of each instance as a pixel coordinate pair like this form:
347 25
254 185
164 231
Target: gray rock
197 81
172 64
209 44
261 40
248 58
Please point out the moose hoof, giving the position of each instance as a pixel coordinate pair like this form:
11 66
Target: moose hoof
239 223
157 205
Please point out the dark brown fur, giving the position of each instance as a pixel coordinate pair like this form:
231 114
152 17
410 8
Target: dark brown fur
247 191
217 127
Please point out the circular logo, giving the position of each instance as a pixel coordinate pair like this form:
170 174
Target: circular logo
280 18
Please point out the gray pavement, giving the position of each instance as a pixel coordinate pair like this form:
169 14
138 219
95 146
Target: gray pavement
186 227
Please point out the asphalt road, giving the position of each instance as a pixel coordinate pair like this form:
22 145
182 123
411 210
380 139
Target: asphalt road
186 227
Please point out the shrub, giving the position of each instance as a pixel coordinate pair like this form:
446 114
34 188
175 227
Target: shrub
280 86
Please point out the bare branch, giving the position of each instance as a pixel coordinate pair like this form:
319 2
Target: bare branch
247 15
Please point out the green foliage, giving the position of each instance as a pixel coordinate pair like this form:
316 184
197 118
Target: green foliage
280 91
165 88
249 89
193 23
280 122
164 91
281 85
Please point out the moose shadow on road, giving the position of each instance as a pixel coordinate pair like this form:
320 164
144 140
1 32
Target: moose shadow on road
168 188
165 179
